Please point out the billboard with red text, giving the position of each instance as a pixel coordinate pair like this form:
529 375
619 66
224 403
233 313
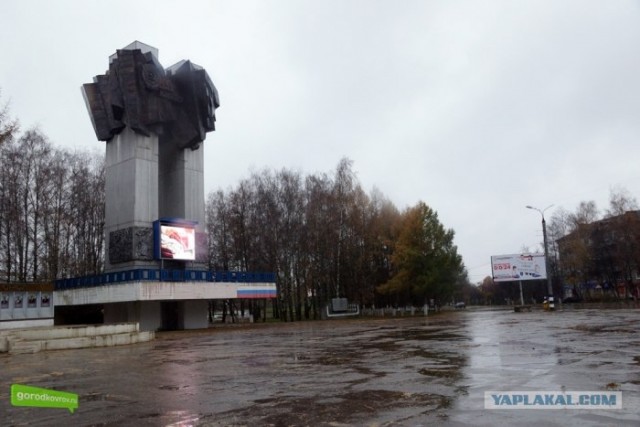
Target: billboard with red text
509 268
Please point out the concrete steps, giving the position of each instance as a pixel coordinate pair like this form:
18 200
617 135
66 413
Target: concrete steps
21 341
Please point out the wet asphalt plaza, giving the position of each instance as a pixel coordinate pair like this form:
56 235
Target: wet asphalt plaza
408 371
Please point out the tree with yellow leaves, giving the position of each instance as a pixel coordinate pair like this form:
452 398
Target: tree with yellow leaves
426 264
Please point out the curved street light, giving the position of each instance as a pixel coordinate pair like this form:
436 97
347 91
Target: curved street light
546 252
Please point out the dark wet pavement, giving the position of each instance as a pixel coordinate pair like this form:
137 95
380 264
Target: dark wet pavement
401 371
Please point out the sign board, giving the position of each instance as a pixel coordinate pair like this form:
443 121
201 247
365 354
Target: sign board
21 304
510 268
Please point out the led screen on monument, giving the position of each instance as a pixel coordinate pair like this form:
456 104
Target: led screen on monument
175 239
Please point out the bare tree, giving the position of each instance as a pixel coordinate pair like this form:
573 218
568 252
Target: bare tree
321 234
52 210
8 127
218 230
10 188
621 241
558 227
586 213
620 202
578 259
86 211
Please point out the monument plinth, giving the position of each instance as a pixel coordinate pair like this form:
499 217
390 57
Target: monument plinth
154 121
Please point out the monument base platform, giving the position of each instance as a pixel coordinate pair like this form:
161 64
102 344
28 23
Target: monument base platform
155 305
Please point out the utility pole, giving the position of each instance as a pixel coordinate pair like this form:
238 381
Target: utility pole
546 255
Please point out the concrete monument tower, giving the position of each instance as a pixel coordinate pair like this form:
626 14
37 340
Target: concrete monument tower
154 121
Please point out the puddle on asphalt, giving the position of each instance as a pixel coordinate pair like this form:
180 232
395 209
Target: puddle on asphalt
95 397
449 373
342 409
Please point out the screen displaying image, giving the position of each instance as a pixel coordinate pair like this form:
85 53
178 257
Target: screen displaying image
177 242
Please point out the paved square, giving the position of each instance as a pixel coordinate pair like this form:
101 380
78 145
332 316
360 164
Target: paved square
401 371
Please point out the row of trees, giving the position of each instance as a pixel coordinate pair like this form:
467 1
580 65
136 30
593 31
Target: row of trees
51 207
321 233
325 237
51 210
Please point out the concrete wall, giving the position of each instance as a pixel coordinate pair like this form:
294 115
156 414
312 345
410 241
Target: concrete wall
21 324
20 341
194 314
181 183
146 313
116 313
155 291
131 180
150 315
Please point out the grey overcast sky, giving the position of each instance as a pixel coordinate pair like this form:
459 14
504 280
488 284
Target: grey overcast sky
477 108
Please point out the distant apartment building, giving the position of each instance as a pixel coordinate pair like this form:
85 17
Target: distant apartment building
602 258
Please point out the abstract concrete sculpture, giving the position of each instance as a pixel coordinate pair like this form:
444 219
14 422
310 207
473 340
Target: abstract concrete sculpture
153 121
137 92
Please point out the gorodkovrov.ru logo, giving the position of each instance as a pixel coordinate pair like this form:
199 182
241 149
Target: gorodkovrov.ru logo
24 395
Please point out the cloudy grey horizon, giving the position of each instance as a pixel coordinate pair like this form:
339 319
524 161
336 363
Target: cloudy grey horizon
476 108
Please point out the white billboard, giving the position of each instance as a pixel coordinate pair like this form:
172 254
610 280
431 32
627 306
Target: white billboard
509 268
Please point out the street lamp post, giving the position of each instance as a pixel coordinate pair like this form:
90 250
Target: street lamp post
546 254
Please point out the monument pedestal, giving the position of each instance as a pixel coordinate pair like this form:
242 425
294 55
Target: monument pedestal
131 196
181 194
